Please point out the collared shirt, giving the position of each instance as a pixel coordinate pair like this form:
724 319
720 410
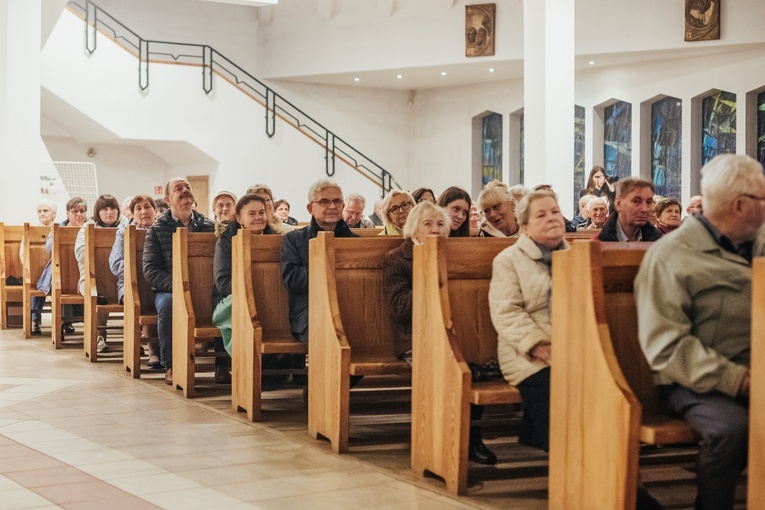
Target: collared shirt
622 236
176 218
744 251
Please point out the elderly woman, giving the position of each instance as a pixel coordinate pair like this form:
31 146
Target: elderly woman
498 207
597 209
276 223
456 201
395 211
251 214
223 204
519 301
143 210
106 213
668 215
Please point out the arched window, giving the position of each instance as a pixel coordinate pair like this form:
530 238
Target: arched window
667 146
491 148
761 127
617 139
579 142
718 114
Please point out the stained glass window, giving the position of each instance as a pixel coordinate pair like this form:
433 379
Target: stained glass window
522 176
578 155
617 139
666 146
761 128
491 158
719 125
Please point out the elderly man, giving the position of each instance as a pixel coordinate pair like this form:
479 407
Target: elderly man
325 205
633 207
353 213
158 261
46 212
693 294
377 215
694 205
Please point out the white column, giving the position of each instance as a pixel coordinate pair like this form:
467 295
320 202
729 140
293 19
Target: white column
548 70
23 157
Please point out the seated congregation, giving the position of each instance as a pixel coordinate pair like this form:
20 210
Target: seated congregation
464 323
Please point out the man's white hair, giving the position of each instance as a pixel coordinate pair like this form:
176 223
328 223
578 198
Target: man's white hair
725 178
320 185
49 203
356 197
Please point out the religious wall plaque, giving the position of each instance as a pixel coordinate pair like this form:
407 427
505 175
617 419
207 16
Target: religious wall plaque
702 20
479 30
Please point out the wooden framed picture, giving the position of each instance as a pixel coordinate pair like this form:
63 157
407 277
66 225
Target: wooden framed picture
479 30
702 20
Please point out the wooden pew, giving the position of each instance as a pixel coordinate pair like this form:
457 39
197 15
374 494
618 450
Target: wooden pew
138 300
35 259
756 469
368 232
260 316
192 302
99 281
451 327
11 296
65 277
603 399
349 328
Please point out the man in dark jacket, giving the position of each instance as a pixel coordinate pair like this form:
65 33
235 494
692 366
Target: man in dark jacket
325 204
633 204
158 259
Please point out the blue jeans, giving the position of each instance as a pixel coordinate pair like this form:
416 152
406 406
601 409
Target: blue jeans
37 304
163 302
723 424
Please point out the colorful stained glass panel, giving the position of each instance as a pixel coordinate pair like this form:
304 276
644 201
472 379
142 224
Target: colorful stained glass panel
617 139
718 112
666 146
578 155
491 157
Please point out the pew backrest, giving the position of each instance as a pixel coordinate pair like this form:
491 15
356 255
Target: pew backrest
66 273
756 469
35 254
99 277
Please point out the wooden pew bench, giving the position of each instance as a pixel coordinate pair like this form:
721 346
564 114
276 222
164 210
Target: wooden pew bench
451 327
99 283
349 328
603 399
66 274
367 232
138 300
260 316
756 473
193 254
35 259
11 296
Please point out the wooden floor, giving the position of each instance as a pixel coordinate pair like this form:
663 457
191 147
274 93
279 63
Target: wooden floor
379 438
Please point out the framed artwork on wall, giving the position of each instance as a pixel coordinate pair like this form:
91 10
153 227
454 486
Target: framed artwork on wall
479 30
702 20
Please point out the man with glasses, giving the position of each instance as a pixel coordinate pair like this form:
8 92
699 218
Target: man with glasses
693 295
325 204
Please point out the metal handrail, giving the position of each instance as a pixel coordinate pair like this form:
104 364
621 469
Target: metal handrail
211 61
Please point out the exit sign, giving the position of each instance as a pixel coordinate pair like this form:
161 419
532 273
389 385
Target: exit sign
157 190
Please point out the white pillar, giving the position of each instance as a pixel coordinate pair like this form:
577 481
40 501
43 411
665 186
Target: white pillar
548 76
23 157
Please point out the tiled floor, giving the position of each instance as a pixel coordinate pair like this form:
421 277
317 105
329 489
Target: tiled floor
80 435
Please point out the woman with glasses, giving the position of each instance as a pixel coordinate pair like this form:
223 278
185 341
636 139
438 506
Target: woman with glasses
396 207
498 207
456 201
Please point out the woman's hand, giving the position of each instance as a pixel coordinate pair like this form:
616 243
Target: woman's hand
541 351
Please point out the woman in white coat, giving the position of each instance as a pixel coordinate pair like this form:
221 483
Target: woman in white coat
519 298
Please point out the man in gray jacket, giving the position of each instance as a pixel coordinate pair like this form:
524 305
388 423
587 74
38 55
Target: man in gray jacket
693 295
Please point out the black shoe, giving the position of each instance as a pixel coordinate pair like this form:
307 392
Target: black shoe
646 502
479 453
222 375
67 328
36 328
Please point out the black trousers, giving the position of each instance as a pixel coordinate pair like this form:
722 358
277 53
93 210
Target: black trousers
535 427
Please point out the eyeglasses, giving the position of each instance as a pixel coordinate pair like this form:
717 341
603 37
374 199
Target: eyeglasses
403 207
325 202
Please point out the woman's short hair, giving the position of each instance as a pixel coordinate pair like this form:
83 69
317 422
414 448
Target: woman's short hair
518 192
141 198
417 194
596 201
281 202
419 213
246 199
585 199
522 210
320 185
387 200
103 202
725 178
495 192
76 202
662 205
258 189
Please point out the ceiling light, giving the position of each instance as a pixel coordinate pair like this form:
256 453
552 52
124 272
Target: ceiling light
443 73
356 79
399 76
491 69
592 62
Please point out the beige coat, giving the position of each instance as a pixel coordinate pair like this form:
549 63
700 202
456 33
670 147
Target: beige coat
519 298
